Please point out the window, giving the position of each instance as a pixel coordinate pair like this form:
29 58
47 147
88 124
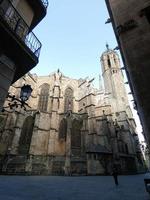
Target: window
76 137
115 60
95 157
2 123
43 99
109 63
68 99
126 149
63 129
26 135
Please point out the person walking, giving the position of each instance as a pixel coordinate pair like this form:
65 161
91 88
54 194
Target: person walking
115 175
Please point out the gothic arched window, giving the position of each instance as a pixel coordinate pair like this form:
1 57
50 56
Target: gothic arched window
63 129
109 62
2 123
68 99
7 122
76 137
26 135
43 99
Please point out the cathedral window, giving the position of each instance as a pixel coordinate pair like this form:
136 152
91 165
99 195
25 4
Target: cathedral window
109 63
26 135
7 122
126 149
95 157
63 130
43 98
2 123
115 60
68 100
76 137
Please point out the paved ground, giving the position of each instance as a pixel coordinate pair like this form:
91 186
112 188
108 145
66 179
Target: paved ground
72 188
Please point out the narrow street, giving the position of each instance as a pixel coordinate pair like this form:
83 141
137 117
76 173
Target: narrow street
72 188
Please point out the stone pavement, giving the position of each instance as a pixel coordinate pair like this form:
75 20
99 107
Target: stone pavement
72 188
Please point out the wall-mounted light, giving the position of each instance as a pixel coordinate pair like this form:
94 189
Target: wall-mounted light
14 102
25 93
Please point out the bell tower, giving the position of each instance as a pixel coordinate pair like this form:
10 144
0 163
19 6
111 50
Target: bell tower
113 80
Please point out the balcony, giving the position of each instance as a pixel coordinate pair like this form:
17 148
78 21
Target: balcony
19 27
17 41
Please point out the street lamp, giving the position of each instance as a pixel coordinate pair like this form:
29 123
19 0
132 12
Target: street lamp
14 102
25 93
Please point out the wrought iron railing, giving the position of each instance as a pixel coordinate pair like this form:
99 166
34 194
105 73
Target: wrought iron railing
16 23
45 3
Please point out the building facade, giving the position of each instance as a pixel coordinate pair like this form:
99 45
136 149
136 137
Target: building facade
131 23
19 47
71 127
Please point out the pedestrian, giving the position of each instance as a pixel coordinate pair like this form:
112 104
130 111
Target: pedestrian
115 175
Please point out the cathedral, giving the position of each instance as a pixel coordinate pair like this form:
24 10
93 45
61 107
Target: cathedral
70 127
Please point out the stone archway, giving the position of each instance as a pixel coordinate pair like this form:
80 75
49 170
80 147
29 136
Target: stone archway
26 135
7 124
76 138
63 130
68 104
43 97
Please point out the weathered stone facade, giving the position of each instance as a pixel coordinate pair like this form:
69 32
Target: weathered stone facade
71 127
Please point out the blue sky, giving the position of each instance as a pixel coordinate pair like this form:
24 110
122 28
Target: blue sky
74 35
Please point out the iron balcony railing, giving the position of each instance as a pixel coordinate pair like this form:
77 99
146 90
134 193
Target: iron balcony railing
16 23
45 3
